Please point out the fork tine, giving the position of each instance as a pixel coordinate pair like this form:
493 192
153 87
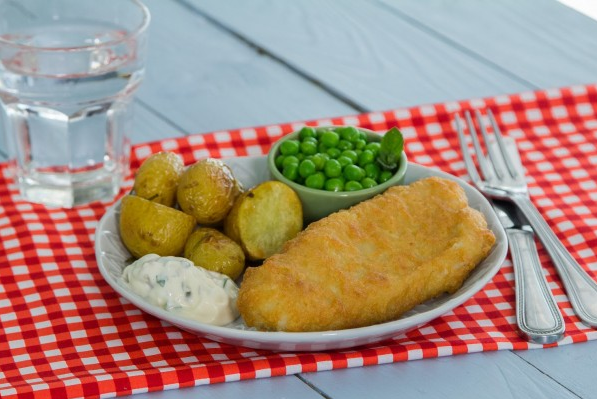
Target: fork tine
468 161
493 155
481 160
500 140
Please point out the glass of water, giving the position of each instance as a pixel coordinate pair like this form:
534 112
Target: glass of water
68 73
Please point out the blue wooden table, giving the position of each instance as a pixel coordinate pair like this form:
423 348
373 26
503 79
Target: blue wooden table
227 64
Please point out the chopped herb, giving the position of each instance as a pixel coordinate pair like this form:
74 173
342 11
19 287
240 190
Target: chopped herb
160 281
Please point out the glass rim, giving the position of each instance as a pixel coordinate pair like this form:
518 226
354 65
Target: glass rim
146 17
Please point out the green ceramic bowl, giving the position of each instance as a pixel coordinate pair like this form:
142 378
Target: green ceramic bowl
320 203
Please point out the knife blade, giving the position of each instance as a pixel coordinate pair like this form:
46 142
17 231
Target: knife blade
537 315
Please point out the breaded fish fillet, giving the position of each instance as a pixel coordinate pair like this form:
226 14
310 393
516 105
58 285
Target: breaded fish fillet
371 263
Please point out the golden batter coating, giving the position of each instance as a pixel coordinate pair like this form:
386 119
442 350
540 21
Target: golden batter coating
371 263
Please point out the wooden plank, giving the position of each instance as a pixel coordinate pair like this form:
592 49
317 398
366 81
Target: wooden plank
483 375
205 79
362 51
541 41
3 142
148 126
572 366
288 387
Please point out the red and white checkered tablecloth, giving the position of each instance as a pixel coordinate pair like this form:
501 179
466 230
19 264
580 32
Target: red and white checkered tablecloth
65 333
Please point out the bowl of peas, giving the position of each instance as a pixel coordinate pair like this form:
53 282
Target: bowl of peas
334 167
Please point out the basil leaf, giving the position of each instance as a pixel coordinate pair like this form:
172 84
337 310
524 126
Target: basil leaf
392 145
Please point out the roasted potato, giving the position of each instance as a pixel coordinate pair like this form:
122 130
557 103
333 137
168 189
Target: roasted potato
264 218
157 178
147 227
207 190
212 250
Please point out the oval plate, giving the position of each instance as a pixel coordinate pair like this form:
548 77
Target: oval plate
112 257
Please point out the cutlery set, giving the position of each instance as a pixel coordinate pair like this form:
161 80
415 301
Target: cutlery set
503 183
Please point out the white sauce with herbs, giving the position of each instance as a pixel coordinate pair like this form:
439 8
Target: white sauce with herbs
177 285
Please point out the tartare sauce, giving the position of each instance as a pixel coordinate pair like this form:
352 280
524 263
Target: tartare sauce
177 285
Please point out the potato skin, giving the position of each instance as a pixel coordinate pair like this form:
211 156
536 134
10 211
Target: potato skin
149 227
264 218
207 190
157 178
212 250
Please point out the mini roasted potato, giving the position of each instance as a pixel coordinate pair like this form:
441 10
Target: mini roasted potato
212 250
157 178
147 227
264 218
207 190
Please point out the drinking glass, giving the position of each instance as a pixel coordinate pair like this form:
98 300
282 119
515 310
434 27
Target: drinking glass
68 73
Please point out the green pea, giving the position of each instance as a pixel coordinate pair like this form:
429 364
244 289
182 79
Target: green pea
289 147
353 186
342 131
372 170
354 135
368 182
332 168
308 148
322 147
330 139
344 161
310 140
354 172
300 156
334 184
290 159
321 130
306 168
373 147
319 160
363 136
351 154
291 171
325 155
360 144
316 181
333 152
349 133
306 132
345 145
279 160
366 157
384 176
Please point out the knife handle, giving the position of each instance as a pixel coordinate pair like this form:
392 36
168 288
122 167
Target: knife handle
580 287
539 319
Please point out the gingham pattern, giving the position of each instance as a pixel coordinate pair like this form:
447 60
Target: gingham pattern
65 333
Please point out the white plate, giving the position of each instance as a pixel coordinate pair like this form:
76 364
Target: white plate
112 257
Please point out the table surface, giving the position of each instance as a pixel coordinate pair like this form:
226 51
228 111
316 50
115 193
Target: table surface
217 65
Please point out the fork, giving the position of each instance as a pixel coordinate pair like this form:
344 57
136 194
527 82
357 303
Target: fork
502 180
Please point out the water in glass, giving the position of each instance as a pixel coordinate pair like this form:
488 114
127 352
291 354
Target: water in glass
66 92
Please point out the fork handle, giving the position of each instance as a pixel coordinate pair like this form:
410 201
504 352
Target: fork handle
580 287
538 317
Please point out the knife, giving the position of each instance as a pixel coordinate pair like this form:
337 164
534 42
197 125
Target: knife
538 318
